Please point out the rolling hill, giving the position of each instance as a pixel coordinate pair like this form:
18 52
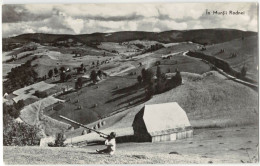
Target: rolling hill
246 51
201 36
210 100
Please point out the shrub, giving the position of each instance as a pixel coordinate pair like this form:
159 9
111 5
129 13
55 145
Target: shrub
40 94
243 71
21 134
139 79
93 76
11 111
68 77
59 141
62 68
62 76
79 83
50 73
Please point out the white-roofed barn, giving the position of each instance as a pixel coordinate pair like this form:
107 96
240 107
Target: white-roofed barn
162 122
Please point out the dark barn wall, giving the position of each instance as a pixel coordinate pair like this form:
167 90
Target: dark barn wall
140 131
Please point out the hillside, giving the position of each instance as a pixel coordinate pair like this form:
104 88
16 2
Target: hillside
38 155
197 36
246 51
210 100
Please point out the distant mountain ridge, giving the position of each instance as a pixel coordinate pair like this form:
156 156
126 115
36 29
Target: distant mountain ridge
201 36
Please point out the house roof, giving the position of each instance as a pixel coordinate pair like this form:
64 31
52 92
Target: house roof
165 118
28 91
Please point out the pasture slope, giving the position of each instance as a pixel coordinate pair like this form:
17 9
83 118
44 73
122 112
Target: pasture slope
246 50
222 112
47 155
210 100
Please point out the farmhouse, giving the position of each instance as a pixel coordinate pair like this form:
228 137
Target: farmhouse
162 122
28 91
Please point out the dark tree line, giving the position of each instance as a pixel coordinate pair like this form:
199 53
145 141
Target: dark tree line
20 77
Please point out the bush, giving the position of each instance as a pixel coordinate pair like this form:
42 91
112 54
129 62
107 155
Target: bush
20 104
139 79
62 76
68 77
40 94
243 71
59 141
93 76
50 73
21 134
11 111
79 83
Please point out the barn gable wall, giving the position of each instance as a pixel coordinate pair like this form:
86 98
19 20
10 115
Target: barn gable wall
140 131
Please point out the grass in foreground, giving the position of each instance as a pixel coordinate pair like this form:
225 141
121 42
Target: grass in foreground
34 155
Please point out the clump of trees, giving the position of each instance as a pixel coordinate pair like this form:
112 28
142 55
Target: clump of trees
13 110
20 77
16 133
154 47
158 83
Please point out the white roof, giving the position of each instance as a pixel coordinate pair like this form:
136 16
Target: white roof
28 91
164 118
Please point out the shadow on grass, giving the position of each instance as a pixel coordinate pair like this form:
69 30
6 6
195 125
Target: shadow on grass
121 96
141 98
128 89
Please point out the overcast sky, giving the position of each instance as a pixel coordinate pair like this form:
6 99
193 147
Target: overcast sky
90 18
